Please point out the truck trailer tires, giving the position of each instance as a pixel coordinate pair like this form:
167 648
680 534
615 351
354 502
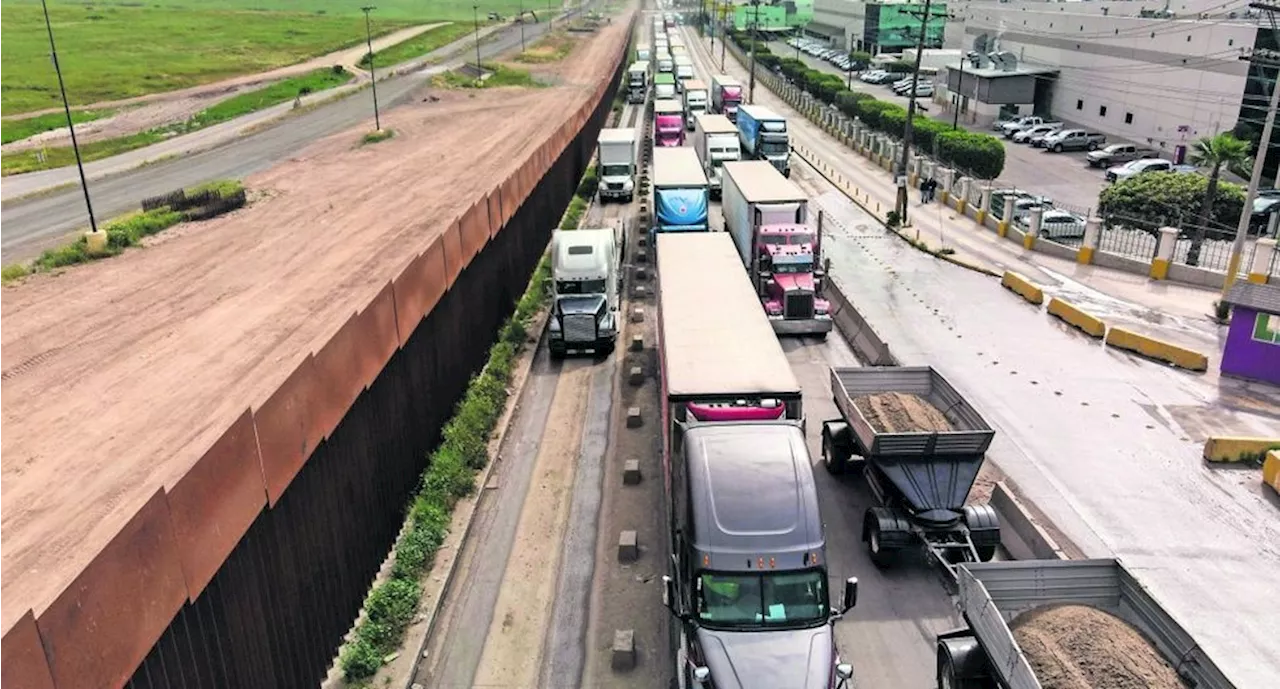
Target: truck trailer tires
962 664
885 532
984 530
837 446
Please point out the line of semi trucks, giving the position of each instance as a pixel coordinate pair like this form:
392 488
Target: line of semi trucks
748 587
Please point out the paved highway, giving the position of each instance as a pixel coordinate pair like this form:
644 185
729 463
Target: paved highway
1098 439
33 225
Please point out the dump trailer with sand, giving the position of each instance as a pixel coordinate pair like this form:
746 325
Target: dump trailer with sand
921 445
1071 624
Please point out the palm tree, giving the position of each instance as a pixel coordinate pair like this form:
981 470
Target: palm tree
1213 152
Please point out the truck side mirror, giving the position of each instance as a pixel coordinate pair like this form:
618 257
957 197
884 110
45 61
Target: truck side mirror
668 593
850 595
844 673
701 675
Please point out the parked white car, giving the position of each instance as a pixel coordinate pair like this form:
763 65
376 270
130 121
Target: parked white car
1055 224
1145 165
1024 136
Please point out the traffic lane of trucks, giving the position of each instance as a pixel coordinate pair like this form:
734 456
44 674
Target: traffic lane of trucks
1086 434
1064 177
889 636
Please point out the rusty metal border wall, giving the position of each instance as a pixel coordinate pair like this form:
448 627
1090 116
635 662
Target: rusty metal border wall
275 612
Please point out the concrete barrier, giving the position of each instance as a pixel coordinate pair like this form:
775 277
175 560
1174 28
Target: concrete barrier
1157 349
1271 470
1023 287
1231 449
1019 533
1074 316
855 329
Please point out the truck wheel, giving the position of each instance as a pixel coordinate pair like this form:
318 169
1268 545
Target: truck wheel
1057 148
834 462
1093 146
880 557
947 673
821 337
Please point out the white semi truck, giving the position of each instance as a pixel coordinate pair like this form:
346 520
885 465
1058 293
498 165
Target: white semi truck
586 271
715 139
616 164
696 98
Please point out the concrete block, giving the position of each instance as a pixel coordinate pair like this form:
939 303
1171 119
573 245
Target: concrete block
1023 287
637 343
1271 470
624 650
642 274
1181 357
637 314
636 375
633 417
639 292
631 472
642 257
1077 317
628 547
642 241
1227 449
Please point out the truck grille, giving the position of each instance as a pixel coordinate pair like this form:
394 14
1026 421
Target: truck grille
615 186
580 328
798 305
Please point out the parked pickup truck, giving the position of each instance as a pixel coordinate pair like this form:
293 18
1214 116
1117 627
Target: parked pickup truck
1014 126
1073 140
1144 165
1116 154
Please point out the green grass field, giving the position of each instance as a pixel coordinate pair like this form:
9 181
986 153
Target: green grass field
420 45
110 52
17 130
32 160
416 10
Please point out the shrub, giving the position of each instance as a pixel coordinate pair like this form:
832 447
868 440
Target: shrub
1157 199
981 155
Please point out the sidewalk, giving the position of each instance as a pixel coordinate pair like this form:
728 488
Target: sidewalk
1173 311
16 187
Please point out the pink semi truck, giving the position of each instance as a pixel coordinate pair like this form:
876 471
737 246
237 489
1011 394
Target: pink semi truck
767 216
726 96
668 123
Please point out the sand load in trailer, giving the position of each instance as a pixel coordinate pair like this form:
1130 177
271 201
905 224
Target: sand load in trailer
922 445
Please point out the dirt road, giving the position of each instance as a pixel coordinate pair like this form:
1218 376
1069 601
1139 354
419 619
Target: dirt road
158 109
119 374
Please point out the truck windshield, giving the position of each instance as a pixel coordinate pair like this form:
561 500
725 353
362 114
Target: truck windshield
615 171
773 147
740 600
791 265
787 238
579 286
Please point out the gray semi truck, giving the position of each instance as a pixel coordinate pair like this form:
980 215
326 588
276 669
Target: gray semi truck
747 583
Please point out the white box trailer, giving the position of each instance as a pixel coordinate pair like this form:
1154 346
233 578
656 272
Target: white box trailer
715 140
616 164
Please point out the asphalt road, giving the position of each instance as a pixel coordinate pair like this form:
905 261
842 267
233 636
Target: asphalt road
33 225
1064 177
1099 440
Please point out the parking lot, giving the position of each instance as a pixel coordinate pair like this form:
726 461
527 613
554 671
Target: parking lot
1063 177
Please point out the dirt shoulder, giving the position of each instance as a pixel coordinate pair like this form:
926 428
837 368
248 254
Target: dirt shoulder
119 374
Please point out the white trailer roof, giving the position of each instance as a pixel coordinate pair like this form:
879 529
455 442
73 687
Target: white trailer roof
760 182
617 135
666 106
726 80
677 166
760 112
719 124
694 85
716 338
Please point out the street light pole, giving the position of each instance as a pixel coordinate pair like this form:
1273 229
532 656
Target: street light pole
755 31
712 27
373 78
901 181
66 107
1259 158
475 12
521 18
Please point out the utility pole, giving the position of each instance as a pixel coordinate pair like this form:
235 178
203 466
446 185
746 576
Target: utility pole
755 28
901 206
712 27
955 122
521 18
66 107
722 42
475 13
1263 59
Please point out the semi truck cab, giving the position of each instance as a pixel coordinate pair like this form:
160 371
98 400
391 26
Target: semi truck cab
668 123
726 96
637 82
750 587
695 101
585 270
792 283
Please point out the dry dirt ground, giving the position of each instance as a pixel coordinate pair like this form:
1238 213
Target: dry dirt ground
1079 647
119 374
156 110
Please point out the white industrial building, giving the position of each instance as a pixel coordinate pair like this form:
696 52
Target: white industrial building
1163 80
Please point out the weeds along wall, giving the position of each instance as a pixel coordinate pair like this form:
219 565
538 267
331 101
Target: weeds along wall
273 613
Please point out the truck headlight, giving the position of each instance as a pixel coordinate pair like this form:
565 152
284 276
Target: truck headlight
628 185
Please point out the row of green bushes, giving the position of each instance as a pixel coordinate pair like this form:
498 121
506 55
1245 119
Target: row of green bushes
1158 199
450 476
976 154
